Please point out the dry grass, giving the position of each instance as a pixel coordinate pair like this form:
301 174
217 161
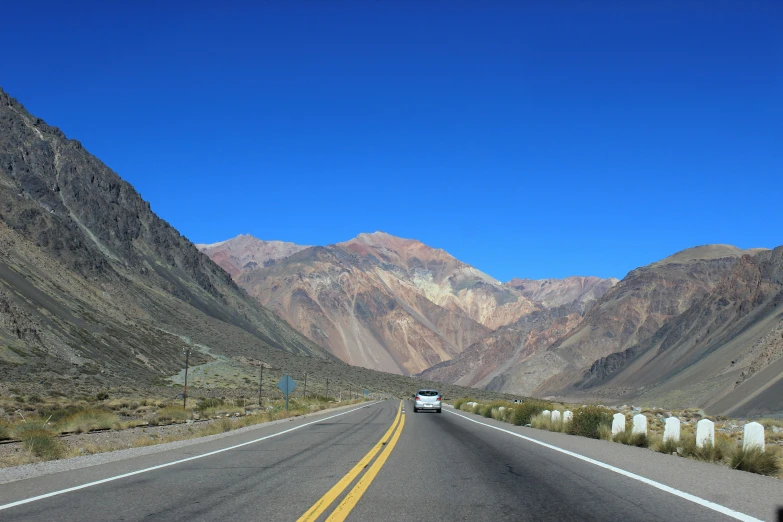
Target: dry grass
756 460
171 414
88 420
5 429
592 422
668 446
629 438
523 413
723 448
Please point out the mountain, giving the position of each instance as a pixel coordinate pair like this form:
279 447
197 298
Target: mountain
552 293
490 362
724 353
382 302
245 252
96 288
700 328
631 312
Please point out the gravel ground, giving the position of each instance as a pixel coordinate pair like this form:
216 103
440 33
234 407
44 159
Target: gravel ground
121 438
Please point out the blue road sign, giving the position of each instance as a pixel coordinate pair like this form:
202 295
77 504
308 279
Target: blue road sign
286 385
366 393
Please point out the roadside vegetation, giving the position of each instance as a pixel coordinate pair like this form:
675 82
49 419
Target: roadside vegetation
595 422
41 428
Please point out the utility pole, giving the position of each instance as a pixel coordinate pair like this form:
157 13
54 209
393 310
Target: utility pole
327 390
305 386
185 392
260 385
350 392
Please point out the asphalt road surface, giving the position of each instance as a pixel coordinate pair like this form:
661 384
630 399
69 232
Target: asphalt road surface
376 463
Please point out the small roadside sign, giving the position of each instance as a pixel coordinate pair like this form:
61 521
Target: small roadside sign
286 385
366 393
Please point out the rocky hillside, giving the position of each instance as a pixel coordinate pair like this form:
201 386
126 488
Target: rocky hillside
557 292
245 252
94 287
724 353
491 362
702 327
631 313
380 301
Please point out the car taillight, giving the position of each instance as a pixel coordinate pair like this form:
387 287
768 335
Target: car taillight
437 399
418 398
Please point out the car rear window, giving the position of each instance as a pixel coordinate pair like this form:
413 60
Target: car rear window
428 393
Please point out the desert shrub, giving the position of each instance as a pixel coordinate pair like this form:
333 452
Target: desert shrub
226 425
170 414
5 429
711 452
459 402
668 446
755 460
87 420
39 437
204 404
604 431
521 415
101 396
499 414
591 422
43 443
34 398
629 438
485 410
541 421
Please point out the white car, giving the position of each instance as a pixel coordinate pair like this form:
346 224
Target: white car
427 400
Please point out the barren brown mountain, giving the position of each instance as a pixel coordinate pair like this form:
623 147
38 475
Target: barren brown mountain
93 284
557 292
631 313
383 302
724 353
703 327
489 362
246 252
97 292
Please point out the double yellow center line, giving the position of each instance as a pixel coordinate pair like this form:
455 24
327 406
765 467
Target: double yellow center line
389 440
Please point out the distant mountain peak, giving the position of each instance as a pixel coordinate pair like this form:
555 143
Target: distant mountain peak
245 251
706 252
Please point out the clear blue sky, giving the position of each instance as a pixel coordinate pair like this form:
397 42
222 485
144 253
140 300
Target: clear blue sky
527 140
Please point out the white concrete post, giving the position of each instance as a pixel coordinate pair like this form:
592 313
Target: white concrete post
618 424
568 416
671 430
546 413
753 436
639 424
705 433
555 415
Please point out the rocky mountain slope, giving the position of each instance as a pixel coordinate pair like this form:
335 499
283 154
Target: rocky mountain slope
557 292
490 362
98 293
702 327
245 252
380 301
632 312
724 353
94 286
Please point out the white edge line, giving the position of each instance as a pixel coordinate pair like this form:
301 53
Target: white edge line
663 487
159 466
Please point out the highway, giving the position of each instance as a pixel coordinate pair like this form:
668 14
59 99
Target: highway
375 462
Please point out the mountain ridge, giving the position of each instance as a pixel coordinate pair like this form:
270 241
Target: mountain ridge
407 295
